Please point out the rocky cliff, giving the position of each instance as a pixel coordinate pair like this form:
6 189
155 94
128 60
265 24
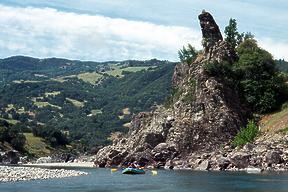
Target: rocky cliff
204 115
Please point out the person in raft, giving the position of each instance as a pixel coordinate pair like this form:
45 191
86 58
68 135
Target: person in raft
133 165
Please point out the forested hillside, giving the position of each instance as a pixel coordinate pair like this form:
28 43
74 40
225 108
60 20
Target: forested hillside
78 103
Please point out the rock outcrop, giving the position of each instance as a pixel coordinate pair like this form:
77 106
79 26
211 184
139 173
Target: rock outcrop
205 114
9 157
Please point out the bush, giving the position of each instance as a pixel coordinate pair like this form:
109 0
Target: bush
12 135
254 76
53 136
246 135
285 130
18 142
188 55
223 71
215 68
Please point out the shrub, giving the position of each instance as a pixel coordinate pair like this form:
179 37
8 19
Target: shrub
222 71
18 142
246 135
188 55
285 130
12 135
53 136
214 68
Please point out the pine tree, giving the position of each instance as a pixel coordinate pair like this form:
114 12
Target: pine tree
232 35
187 55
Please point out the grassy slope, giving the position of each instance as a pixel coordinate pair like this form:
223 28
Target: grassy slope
75 102
275 122
36 145
54 93
42 104
117 72
92 78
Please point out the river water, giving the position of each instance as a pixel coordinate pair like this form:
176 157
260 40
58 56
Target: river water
102 180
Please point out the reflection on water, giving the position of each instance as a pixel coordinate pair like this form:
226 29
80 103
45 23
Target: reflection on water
103 180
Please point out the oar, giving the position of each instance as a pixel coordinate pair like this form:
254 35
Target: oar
114 170
154 172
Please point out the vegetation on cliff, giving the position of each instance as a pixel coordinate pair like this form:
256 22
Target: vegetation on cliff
254 74
246 135
188 54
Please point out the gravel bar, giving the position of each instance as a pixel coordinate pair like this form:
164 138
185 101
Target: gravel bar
13 174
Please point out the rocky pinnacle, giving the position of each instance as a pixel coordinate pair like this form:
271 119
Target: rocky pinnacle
204 114
210 31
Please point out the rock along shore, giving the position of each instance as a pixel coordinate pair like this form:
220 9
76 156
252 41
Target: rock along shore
13 174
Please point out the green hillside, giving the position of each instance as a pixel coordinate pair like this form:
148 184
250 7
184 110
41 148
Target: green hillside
80 103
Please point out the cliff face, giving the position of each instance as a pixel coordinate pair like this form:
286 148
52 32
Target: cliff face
204 115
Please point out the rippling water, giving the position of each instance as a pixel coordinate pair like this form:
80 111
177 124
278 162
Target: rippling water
102 180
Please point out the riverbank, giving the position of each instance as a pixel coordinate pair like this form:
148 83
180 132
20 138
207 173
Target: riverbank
13 174
61 165
268 153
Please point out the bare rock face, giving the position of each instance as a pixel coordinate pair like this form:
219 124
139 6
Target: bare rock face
204 115
214 46
210 31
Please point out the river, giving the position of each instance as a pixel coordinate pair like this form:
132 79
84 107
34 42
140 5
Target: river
102 180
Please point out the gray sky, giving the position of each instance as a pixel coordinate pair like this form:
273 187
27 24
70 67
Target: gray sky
130 29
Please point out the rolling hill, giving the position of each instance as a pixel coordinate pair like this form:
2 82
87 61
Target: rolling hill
82 101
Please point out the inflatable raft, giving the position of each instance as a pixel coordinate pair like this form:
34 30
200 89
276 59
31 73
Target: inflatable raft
133 171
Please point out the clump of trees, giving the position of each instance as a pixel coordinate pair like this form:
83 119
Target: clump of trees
259 81
233 37
11 135
55 137
254 75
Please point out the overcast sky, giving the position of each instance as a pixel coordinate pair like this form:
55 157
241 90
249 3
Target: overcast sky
103 30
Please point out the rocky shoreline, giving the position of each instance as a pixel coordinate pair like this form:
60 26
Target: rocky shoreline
267 153
13 174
